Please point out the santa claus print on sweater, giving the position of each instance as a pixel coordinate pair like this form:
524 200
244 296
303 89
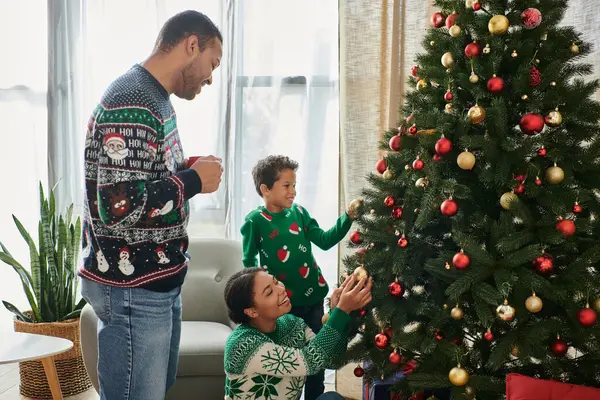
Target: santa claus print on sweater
114 146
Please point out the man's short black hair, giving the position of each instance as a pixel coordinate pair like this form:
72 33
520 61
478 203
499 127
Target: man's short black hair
268 169
183 25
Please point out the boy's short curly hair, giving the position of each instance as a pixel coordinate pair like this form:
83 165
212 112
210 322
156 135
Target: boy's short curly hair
267 170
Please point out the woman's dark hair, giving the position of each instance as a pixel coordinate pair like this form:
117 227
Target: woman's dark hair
238 294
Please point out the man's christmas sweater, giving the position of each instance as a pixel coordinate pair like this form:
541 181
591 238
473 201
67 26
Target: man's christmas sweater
284 242
136 209
275 365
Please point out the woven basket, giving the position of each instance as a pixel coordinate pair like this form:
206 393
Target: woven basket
71 372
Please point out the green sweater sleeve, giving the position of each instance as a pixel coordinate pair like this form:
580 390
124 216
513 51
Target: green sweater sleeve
326 239
252 354
250 240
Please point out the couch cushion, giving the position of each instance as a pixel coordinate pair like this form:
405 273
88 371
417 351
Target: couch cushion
202 348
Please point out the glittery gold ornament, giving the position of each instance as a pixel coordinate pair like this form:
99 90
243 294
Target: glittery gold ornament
473 78
448 60
458 376
421 182
457 313
466 160
555 174
455 31
388 175
534 304
554 118
448 108
421 84
355 208
498 25
574 48
360 272
505 312
476 114
507 200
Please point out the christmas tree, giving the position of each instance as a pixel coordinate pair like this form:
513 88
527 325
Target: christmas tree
480 226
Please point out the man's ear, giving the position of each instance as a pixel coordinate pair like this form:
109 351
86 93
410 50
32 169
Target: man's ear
264 189
191 44
251 312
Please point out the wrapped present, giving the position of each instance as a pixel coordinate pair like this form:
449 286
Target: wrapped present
377 389
521 387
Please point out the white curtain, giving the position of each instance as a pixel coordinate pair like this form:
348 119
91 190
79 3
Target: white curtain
23 129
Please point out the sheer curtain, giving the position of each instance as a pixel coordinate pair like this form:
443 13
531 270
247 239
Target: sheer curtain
23 123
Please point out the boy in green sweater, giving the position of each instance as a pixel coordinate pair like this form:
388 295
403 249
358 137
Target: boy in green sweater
281 233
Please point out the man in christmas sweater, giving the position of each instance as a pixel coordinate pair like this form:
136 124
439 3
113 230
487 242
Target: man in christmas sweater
282 233
269 355
136 210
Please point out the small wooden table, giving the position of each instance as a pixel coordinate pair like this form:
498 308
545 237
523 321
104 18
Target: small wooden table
17 347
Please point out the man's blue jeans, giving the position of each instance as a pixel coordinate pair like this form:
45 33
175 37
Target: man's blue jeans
138 340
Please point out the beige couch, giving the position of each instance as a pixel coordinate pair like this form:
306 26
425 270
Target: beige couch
205 324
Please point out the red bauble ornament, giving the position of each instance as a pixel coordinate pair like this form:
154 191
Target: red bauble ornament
359 372
520 178
461 260
363 312
495 84
414 71
489 336
532 123
476 6
520 189
531 18
438 19
413 129
381 166
389 201
449 207
439 335
566 227
448 96
535 78
403 242
381 340
587 317
538 181
451 20
355 237
544 264
577 208
361 252
396 289
397 212
395 358
437 157
472 50
395 143
409 367
389 332
443 146
559 347
542 152
418 164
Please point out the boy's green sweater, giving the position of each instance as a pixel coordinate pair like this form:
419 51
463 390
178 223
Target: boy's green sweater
284 242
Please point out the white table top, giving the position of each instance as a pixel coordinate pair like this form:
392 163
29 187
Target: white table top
17 346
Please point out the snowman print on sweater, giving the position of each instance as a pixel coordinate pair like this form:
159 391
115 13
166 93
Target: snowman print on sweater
102 263
162 257
125 265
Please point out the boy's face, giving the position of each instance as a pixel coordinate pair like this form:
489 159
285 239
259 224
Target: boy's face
283 192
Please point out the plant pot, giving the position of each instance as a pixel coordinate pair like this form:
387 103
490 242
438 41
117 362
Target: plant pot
71 372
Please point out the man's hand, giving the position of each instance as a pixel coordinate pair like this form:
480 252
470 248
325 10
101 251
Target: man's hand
210 170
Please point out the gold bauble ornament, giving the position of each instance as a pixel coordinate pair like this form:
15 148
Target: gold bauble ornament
469 3
447 60
507 199
356 208
448 108
476 114
596 305
455 31
457 313
555 174
524 97
553 84
487 49
534 304
514 54
360 272
505 312
574 48
554 118
325 318
515 351
432 43
421 84
466 160
388 175
421 183
498 25
458 376
473 78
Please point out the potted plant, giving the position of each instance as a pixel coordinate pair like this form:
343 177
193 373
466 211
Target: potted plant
51 289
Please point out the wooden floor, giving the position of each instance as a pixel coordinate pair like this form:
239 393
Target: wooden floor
9 385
